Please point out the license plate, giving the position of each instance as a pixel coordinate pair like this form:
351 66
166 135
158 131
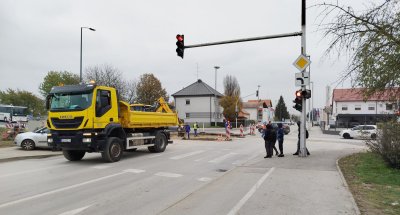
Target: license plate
65 140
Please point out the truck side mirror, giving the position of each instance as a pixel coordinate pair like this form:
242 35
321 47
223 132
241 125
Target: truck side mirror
48 97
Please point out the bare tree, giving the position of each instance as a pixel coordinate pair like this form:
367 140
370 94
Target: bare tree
231 98
371 37
108 75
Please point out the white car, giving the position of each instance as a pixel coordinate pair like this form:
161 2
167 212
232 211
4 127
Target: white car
360 131
31 140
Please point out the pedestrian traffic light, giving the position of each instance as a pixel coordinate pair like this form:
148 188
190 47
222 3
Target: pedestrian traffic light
180 44
306 94
298 101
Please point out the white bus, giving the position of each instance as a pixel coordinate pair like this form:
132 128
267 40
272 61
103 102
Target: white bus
10 113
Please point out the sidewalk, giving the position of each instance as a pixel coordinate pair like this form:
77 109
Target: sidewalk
16 153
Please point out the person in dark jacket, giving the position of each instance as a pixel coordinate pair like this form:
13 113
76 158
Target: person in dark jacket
270 139
298 141
280 135
187 129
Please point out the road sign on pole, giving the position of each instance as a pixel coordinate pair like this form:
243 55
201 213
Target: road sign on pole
302 79
301 63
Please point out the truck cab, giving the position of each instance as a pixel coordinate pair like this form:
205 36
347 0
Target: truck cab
89 118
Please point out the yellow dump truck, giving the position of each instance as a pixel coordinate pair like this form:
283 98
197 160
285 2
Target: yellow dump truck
90 118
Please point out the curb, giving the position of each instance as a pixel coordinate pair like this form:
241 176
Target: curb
3 160
357 210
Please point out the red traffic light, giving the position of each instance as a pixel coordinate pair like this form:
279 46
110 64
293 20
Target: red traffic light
180 45
299 93
179 37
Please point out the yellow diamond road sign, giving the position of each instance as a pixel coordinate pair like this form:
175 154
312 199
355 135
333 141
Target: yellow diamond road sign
301 63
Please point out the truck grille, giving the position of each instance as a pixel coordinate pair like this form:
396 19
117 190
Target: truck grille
67 123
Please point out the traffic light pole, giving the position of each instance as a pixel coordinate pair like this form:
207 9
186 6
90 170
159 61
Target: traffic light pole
245 40
303 149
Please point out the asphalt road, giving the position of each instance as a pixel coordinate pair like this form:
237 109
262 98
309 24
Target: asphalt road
190 177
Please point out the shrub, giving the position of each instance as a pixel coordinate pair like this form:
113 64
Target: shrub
387 143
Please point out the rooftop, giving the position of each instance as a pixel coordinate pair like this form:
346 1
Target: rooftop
198 88
355 94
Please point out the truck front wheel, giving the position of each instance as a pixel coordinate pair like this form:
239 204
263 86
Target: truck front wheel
73 155
113 150
160 143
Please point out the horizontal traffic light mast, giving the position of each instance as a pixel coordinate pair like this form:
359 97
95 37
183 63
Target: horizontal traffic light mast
181 47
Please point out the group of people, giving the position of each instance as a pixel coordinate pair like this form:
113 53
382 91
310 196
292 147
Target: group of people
186 128
271 135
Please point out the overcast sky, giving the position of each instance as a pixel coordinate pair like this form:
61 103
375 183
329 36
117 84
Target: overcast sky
139 37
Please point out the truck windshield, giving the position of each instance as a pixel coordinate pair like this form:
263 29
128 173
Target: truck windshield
70 102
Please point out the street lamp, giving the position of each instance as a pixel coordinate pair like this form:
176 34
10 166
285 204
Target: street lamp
80 74
216 103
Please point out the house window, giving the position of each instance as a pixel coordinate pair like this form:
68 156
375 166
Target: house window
188 101
344 107
357 107
187 115
371 108
389 106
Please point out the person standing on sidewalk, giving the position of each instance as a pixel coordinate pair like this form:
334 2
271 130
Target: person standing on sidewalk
195 127
280 135
270 139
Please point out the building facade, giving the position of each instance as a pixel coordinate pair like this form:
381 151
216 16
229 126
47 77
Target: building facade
199 102
350 109
259 110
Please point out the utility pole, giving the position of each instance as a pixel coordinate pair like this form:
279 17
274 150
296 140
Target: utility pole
303 149
216 101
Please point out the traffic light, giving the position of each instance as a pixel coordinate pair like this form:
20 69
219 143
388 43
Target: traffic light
257 93
180 44
306 94
298 101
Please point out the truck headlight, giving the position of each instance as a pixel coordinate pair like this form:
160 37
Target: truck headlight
87 140
49 140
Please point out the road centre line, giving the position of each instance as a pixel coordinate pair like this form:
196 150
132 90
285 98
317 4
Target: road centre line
168 174
246 197
76 211
186 155
219 159
63 189
204 179
101 166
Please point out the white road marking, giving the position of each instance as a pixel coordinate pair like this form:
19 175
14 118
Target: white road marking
186 155
61 189
154 156
135 170
76 211
101 167
168 174
219 159
246 197
204 179
29 171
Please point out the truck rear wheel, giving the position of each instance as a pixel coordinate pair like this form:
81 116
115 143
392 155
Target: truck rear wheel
160 143
113 150
73 155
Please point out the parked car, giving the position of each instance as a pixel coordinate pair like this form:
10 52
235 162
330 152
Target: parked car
360 131
31 140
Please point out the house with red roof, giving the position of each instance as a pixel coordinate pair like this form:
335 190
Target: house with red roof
351 108
259 110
